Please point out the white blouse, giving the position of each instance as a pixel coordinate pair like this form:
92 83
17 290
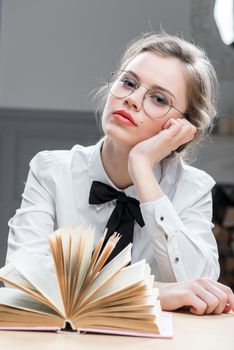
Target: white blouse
177 239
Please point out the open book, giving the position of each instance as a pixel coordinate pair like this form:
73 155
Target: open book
83 294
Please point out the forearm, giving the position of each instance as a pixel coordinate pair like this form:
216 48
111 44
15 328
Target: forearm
144 180
182 243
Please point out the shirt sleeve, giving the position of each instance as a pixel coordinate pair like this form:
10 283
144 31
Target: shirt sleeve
182 239
34 221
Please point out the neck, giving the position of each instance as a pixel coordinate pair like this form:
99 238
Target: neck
115 162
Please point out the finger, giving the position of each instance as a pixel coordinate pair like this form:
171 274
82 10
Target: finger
196 305
184 121
172 128
187 298
209 283
222 303
208 297
169 123
227 308
222 292
181 131
222 298
186 132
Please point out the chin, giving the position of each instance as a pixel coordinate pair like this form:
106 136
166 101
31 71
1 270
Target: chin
119 138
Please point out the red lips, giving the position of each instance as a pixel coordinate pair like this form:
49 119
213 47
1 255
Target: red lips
127 116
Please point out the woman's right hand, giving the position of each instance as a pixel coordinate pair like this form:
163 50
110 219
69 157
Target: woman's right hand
202 297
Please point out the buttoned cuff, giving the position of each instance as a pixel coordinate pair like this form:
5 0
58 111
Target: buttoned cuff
162 214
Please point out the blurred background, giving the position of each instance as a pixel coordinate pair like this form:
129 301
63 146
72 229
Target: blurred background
53 53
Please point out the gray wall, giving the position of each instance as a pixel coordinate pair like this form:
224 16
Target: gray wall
54 52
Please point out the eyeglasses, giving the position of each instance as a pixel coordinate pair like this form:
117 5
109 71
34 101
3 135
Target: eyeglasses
156 103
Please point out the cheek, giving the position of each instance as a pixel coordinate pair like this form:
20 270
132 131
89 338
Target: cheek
149 129
109 106
111 103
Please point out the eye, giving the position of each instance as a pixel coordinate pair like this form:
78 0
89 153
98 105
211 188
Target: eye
160 99
128 82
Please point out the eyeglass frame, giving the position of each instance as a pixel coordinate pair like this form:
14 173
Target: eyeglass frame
144 97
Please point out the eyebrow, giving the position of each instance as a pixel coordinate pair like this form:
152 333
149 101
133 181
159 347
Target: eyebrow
154 86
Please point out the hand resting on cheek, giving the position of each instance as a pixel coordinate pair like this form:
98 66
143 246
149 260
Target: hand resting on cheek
175 133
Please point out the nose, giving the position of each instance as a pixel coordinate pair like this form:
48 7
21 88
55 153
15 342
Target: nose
135 100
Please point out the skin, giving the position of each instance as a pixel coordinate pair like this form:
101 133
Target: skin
139 148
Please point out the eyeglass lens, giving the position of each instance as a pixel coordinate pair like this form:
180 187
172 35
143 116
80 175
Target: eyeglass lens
156 103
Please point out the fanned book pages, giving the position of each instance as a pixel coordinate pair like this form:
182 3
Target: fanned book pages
84 294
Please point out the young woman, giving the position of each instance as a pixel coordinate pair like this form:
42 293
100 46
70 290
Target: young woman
160 102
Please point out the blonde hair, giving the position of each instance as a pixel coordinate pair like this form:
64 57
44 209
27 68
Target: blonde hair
201 77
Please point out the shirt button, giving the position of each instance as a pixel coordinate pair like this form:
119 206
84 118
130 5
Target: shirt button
177 259
161 218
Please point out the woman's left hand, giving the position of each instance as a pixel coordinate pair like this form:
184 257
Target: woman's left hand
175 132
144 156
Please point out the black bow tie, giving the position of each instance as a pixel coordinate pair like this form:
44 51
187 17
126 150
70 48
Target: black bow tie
126 211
